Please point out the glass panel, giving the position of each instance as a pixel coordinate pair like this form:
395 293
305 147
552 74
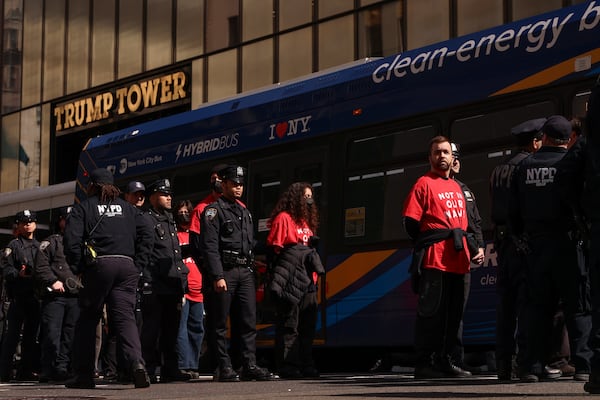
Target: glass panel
197 83
159 46
257 18
391 147
427 22
222 24
222 75
257 65
32 53
476 15
103 42
294 13
9 181
54 49
580 104
45 146
336 42
78 46
190 29
527 8
331 7
130 38
29 150
295 54
380 30
497 125
12 50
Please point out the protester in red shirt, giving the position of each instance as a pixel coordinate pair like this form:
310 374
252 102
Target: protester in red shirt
191 327
294 222
435 217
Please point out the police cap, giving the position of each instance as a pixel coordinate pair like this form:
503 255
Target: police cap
529 127
218 168
101 176
63 212
557 127
135 186
233 173
26 216
160 185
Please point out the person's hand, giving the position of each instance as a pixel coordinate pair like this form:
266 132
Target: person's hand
220 286
479 257
58 287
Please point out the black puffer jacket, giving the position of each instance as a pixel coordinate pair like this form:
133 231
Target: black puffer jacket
292 272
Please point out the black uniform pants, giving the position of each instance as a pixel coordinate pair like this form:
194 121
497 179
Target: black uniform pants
59 316
238 302
439 312
594 266
23 313
113 281
161 314
295 331
554 274
512 297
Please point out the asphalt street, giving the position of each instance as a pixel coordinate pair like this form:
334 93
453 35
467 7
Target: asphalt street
330 386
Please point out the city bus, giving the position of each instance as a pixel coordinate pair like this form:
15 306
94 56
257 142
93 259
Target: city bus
359 134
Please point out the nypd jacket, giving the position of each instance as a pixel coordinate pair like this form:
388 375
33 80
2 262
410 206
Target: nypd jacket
226 227
51 266
292 271
122 231
19 254
166 272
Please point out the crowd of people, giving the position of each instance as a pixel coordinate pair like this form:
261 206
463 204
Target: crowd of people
545 226
127 286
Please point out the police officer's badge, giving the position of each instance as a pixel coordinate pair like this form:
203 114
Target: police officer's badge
7 252
210 213
44 244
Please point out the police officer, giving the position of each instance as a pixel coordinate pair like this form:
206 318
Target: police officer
24 310
135 193
164 282
117 234
511 269
546 223
226 242
59 288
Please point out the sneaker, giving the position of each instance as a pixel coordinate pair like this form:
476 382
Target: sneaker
193 374
528 377
175 376
567 370
256 373
451 370
226 374
551 373
583 376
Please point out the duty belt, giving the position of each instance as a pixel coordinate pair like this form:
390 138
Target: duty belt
231 259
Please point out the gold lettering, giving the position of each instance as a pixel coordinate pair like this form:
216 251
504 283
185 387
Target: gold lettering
107 101
69 112
131 105
178 84
121 93
150 91
165 90
94 110
79 112
58 112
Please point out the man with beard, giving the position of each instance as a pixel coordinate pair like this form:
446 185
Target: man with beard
435 217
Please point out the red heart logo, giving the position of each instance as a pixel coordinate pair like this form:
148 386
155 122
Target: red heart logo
281 129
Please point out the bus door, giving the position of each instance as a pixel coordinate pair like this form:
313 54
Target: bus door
268 178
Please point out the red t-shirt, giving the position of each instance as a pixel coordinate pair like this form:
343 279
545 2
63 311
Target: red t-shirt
285 231
438 203
197 213
195 276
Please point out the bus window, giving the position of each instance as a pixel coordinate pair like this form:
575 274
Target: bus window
496 125
390 147
580 104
